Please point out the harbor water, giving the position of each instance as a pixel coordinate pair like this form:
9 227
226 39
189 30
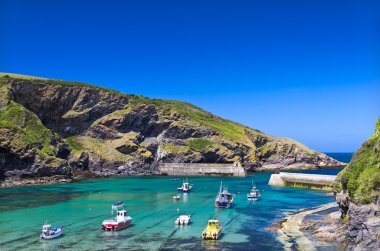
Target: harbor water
81 207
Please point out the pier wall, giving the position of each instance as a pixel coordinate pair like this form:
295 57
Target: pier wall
201 169
312 180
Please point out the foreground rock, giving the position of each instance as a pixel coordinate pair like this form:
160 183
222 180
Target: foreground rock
50 127
14 182
358 188
290 232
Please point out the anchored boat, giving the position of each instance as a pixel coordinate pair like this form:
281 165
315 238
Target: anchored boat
122 220
186 187
212 230
224 199
50 233
176 197
183 220
254 193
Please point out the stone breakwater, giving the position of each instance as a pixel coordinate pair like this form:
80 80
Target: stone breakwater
201 169
312 180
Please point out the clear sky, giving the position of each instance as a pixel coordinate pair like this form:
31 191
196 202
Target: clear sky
307 70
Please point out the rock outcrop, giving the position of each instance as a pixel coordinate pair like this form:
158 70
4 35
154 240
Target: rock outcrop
358 190
51 127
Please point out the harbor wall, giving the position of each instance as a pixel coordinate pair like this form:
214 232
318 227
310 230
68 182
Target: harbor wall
201 169
302 179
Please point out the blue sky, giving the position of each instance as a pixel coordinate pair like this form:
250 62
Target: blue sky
307 70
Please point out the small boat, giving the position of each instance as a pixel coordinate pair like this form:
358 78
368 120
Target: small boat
224 199
186 187
254 193
183 220
176 197
50 233
121 221
212 230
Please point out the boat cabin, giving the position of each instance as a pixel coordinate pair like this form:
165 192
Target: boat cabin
121 215
213 223
46 228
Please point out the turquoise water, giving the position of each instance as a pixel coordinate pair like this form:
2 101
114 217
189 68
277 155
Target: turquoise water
81 207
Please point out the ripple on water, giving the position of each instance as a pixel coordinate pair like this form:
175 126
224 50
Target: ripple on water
81 207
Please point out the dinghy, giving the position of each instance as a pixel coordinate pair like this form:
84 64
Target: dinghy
50 233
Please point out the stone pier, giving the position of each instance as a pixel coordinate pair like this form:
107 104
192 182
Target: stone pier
302 179
201 169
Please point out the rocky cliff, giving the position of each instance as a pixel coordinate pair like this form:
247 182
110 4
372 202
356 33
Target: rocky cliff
358 194
52 128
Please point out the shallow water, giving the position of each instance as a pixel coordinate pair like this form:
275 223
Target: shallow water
81 207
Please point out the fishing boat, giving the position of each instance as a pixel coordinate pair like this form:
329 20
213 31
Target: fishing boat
50 233
224 199
176 197
254 193
212 230
121 221
186 187
183 220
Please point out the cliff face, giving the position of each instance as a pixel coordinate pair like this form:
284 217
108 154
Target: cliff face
51 127
358 196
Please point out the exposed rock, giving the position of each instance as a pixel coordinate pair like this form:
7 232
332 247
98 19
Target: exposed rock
358 197
127 148
67 110
50 127
103 132
80 164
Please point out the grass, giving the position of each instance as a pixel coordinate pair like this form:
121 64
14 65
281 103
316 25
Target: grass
175 149
40 80
74 144
308 186
192 116
361 178
29 129
198 144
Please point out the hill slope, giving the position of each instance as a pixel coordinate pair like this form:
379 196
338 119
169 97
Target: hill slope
52 127
358 187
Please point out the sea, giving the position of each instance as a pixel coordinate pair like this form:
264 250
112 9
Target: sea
81 207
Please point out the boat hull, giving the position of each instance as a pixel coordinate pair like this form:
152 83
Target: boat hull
116 226
222 205
183 190
51 236
212 235
253 197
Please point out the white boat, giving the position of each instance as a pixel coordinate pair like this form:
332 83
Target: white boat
224 199
122 220
254 193
183 220
50 233
176 197
186 187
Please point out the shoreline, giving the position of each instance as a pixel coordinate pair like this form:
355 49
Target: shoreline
292 230
62 179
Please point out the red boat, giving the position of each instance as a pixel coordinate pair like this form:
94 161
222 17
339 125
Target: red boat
224 199
121 221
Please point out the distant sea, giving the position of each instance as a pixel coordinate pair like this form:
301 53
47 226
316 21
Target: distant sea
344 157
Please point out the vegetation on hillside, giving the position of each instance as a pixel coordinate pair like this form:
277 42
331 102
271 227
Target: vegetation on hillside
223 137
361 178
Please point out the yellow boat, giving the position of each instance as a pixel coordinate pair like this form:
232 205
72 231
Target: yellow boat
213 230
